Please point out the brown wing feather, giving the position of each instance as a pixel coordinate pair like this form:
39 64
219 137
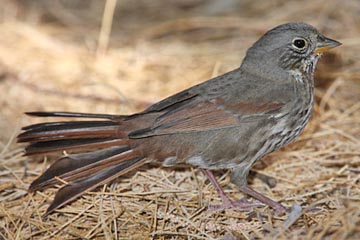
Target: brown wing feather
206 115
201 117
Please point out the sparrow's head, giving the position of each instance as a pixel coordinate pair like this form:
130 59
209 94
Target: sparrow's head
291 46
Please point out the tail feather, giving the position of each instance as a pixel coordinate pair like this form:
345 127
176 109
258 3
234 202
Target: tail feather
70 144
72 114
77 188
46 132
68 164
60 136
89 169
61 127
111 152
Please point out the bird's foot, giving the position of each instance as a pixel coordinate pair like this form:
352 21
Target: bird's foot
278 207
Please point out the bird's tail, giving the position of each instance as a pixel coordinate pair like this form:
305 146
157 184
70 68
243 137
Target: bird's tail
111 154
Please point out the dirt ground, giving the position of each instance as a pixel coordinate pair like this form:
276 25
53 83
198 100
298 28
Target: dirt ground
95 56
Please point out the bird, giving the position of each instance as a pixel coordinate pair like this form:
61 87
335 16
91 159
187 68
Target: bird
225 123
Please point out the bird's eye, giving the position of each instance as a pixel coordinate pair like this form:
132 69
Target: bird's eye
299 43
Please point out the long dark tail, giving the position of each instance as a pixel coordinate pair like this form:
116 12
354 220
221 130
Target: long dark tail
111 154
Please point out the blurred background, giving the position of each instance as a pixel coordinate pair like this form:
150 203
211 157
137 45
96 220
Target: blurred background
121 56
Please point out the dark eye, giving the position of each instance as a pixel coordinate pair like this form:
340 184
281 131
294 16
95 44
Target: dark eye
299 43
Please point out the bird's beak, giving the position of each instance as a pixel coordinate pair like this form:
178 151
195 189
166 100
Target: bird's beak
325 44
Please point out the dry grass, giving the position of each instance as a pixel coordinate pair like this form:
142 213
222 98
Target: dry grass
54 65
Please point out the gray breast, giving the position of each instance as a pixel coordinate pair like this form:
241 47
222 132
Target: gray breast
289 128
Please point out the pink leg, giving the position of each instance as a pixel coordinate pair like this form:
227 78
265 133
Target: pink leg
226 201
251 192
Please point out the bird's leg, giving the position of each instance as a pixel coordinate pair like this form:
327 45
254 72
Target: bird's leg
226 201
239 177
262 198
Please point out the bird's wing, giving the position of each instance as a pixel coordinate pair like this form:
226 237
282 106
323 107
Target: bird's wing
217 103
199 114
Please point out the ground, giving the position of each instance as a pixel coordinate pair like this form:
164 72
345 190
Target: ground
60 55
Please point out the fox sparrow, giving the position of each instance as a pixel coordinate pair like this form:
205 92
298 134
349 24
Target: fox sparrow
227 122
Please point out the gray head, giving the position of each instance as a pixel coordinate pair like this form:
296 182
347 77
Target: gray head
290 46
